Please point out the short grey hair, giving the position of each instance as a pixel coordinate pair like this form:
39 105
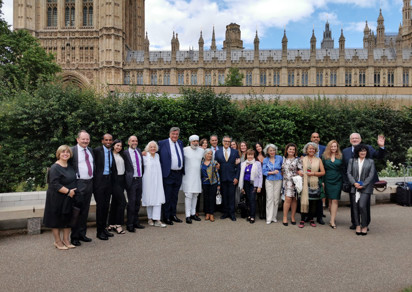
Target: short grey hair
173 129
207 150
227 137
273 146
81 132
350 137
128 140
214 135
148 145
314 145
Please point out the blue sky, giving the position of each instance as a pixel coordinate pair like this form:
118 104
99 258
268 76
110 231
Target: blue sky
269 17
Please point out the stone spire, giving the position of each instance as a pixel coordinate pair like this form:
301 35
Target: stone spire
146 43
366 34
256 42
213 46
327 42
380 31
313 43
341 43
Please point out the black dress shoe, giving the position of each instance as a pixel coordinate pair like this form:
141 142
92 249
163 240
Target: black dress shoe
102 236
175 219
233 218
321 222
188 220
138 226
352 227
76 242
195 217
130 228
169 222
224 216
107 233
85 239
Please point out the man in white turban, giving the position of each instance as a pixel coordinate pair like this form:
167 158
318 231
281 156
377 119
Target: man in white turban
192 184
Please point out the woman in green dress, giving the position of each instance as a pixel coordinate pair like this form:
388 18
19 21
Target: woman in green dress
332 160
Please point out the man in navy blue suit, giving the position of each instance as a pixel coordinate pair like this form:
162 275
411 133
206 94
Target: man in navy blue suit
315 138
229 176
348 153
172 163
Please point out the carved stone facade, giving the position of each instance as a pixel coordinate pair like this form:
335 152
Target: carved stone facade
103 42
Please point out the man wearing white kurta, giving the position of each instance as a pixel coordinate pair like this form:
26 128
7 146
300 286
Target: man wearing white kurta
191 183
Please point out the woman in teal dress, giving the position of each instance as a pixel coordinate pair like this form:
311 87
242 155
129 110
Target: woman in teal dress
332 161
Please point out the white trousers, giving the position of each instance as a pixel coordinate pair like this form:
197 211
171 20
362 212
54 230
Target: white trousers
273 188
190 203
153 212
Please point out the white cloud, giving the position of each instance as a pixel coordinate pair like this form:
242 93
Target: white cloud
359 26
8 11
331 17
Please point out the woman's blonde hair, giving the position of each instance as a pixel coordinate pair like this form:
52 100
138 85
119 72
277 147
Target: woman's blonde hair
327 152
63 148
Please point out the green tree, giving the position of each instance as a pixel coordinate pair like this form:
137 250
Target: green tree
23 62
234 78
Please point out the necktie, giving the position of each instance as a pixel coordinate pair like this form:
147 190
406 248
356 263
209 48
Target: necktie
89 166
226 156
137 163
179 161
108 159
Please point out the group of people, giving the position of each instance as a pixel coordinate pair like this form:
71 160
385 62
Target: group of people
154 177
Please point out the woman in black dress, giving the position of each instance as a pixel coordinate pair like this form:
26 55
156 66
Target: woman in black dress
62 187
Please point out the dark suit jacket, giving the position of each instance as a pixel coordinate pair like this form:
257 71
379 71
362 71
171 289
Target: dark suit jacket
128 165
367 175
99 161
372 153
321 150
228 169
74 160
166 156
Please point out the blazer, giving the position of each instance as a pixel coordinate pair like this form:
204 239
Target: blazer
228 169
321 150
372 153
99 163
128 165
367 175
74 160
166 156
114 168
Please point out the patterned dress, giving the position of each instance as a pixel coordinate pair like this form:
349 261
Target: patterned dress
290 168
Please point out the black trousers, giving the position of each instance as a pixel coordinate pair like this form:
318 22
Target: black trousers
228 195
209 198
82 201
116 215
312 210
361 209
102 195
134 198
352 208
171 186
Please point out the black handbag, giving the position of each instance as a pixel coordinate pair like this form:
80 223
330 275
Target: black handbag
346 187
314 193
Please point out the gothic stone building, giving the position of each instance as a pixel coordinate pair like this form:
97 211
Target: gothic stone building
103 42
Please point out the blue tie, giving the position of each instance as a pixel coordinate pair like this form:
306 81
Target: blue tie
179 161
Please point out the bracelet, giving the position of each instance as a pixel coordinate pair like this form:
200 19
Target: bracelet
68 192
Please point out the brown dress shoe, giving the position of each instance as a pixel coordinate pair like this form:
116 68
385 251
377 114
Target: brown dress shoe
212 218
207 217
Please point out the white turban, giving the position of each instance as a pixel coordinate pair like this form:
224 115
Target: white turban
193 138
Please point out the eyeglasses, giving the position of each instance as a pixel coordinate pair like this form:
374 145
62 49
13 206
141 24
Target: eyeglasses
226 141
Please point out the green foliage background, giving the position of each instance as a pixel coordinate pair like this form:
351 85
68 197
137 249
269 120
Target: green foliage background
33 124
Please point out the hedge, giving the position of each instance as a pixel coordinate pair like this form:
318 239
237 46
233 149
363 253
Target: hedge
33 125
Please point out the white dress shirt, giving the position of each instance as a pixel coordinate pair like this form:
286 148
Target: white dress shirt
81 163
175 161
131 152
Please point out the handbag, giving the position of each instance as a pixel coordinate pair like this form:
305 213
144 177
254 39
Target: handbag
314 193
218 198
346 187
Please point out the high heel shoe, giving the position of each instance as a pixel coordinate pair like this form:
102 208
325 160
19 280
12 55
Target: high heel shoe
358 233
69 245
212 218
60 247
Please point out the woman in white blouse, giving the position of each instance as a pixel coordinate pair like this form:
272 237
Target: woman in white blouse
153 195
116 215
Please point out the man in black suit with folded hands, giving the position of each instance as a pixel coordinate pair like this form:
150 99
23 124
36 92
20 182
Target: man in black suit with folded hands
102 185
134 167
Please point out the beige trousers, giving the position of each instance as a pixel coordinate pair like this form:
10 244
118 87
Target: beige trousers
273 188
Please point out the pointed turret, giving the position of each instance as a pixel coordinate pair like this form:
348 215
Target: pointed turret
256 42
213 45
313 43
327 42
146 43
341 44
380 31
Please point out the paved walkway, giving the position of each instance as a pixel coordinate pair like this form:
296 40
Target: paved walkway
220 256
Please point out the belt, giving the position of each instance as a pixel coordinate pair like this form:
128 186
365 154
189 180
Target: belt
137 177
177 171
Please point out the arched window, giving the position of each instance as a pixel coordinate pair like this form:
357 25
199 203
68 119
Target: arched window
87 12
51 13
69 13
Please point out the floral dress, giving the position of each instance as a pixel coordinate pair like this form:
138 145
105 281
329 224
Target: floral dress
290 168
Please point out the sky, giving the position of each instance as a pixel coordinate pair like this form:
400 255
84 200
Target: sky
269 17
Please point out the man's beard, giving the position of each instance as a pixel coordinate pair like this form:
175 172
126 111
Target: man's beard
194 147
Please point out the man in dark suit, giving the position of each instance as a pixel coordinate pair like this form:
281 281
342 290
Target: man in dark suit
315 138
103 185
172 163
134 168
229 176
83 164
348 153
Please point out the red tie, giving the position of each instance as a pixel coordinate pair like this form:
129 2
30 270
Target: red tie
89 166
